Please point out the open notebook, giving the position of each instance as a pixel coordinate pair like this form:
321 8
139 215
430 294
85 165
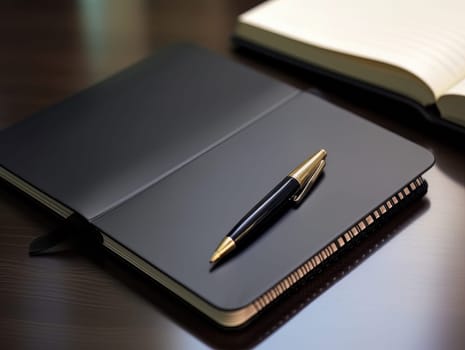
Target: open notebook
415 49
162 159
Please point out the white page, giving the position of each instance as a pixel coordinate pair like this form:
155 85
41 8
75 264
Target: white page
424 37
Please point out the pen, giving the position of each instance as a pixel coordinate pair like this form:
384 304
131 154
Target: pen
292 188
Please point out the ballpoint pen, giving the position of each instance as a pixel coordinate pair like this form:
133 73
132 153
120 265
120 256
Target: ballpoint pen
292 188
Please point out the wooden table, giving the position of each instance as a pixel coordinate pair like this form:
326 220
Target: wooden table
406 286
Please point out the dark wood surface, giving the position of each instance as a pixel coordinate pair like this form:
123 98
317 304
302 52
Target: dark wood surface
406 286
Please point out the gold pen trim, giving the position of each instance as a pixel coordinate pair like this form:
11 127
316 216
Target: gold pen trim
307 173
225 247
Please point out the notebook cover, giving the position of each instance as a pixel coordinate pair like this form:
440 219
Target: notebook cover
176 224
165 157
98 148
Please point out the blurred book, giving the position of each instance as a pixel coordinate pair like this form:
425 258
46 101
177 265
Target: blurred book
411 50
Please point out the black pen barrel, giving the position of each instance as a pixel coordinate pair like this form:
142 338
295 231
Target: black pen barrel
279 196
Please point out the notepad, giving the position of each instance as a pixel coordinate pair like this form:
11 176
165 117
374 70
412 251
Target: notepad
415 49
162 159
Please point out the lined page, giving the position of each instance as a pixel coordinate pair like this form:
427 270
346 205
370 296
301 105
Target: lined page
424 37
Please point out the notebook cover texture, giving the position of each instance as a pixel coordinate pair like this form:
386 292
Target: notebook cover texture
103 145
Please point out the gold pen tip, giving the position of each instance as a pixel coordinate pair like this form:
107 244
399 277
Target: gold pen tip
215 257
225 246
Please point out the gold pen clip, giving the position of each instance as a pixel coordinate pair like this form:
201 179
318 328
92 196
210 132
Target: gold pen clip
307 174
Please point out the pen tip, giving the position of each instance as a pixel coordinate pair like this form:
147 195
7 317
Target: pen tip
215 257
225 246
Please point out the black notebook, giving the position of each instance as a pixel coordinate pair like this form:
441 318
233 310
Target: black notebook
165 157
